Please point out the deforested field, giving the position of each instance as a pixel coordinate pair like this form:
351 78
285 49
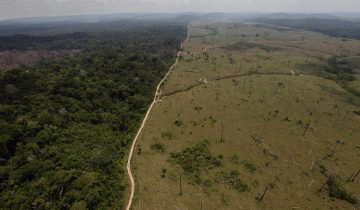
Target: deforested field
254 117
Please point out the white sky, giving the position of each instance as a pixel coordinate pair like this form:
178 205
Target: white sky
24 8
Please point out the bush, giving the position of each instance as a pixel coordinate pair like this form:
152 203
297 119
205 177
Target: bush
198 108
169 135
235 159
212 120
178 123
195 160
158 147
346 77
232 179
251 168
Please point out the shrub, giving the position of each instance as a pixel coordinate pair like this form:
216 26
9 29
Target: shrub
251 168
178 123
232 179
234 159
158 147
167 134
231 60
212 120
163 173
198 108
195 160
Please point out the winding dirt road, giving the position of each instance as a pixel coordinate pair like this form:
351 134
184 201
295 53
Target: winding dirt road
156 99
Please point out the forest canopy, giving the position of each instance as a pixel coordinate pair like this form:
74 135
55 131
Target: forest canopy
66 123
331 27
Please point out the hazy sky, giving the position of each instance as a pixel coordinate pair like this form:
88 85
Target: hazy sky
23 8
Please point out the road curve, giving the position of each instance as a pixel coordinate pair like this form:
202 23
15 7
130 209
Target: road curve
156 99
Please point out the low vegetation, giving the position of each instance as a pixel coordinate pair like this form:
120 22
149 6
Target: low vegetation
249 167
243 45
338 69
195 160
160 147
168 135
270 124
341 69
232 180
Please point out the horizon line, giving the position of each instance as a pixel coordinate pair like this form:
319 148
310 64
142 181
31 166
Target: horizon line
184 12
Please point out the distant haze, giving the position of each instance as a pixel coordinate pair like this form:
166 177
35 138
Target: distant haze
26 8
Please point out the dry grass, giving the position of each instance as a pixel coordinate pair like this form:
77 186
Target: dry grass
266 127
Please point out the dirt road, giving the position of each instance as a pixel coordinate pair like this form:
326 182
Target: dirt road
156 99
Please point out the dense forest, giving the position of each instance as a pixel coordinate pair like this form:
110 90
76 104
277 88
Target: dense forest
332 27
66 124
75 40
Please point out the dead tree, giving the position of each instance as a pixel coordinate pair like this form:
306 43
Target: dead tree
180 193
268 187
323 186
330 179
222 132
306 128
353 176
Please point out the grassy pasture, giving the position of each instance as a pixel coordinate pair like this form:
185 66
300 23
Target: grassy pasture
264 117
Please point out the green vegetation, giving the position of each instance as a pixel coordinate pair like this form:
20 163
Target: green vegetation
66 124
332 27
178 123
198 108
75 40
232 179
341 68
195 160
90 35
336 68
212 120
168 135
242 46
163 173
335 191
251 168
234 159
160 147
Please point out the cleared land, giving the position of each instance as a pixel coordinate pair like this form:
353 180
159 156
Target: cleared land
13 59
254 117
